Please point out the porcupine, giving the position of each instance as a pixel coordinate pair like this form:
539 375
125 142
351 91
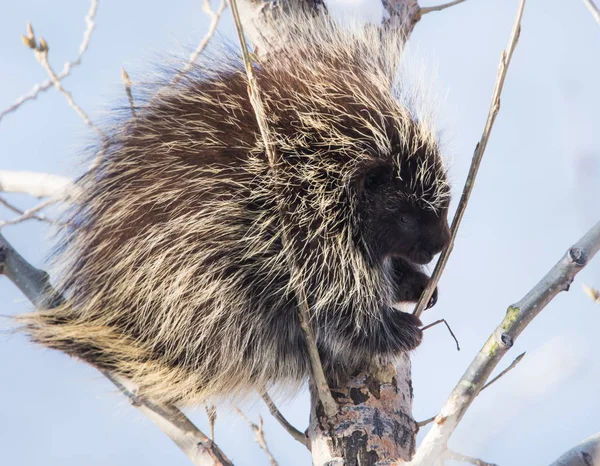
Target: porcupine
175 272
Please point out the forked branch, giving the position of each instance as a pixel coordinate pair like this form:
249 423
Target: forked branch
518 316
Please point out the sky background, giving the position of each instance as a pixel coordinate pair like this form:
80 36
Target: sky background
536 194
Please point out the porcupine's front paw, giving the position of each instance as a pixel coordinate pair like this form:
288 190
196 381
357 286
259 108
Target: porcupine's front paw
407 334
412 285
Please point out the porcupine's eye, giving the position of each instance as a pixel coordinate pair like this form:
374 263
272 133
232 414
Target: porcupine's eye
405 219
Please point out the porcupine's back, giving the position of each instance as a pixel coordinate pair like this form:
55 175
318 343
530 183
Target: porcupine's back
174 274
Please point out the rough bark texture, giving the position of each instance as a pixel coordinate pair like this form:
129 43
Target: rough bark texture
374 424
587 453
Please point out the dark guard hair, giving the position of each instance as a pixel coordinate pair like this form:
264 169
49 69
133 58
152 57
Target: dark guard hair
175 275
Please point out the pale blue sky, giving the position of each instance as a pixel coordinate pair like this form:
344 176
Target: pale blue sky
538 191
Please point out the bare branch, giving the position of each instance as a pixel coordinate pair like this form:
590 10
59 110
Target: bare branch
295 433
211 413
513 364
197 446
518 316
41 54
452 455
259 435
28 214
476 161
592 293
319 379
214 22
68 66
429 9
127 83
587 453
593 9
35 285
21 213
35 184
447 326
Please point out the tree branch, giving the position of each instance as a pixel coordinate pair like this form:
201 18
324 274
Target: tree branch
259 435
455 456
35 285
35 184
429 9
587 453
518 316
68 66
476 161
318 375
295 433
593 9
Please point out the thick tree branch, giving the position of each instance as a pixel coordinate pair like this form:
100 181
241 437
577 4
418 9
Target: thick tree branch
594 10
476 161
35 184
587 453
35 285
518 316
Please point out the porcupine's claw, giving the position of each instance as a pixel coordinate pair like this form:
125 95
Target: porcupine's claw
433 300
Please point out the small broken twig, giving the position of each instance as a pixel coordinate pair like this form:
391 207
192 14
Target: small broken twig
594 10
259 435
447 326
592 293
513 364
455 456
429 9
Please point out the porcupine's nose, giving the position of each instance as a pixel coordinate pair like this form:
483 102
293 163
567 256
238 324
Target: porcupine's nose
438 239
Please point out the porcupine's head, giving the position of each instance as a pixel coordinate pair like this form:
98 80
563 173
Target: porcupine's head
362 162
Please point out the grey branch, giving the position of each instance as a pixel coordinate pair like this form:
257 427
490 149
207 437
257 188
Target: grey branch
35 184
430 9
518 316
35 285
24 215
290 429
452 455
587 453
318 375
593 9
68 66
476 161
259 435
215 16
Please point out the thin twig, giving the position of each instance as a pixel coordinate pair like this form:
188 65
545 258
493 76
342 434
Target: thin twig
68 66
319 380
426 421
513 364
214 16
41 54
295 433
127 84
211 413
455 456
594 10
24 215
476 161
429 9
447 326
35 285
259 435
517 317
592 293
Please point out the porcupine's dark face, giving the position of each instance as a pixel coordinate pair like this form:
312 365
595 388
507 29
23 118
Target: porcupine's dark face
393 221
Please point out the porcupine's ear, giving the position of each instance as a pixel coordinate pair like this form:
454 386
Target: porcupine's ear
373 178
